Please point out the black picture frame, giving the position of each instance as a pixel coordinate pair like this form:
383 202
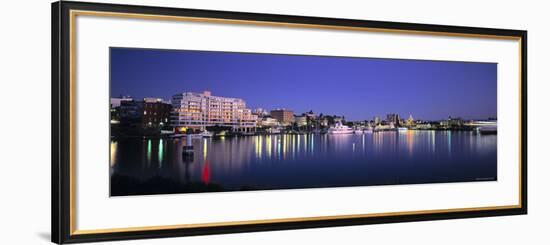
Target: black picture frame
61 122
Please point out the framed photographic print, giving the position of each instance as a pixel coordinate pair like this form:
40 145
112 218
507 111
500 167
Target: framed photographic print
174 122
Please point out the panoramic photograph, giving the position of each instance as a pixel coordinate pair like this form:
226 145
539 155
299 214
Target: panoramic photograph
188 121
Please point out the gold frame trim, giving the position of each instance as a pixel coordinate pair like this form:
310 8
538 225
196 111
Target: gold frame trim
282 220
72 70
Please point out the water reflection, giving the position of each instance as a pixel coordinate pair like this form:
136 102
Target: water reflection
205 173
160 153
299 161
113 153
449 142
149 152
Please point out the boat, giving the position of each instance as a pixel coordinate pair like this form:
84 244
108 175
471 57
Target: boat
203 134
358 131
166 132
402 129
340 129
206 134
275 131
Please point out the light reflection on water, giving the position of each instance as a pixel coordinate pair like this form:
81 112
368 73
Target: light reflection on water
308 160
149 152
160 152
112 150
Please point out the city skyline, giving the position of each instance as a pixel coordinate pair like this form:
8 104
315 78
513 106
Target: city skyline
356 88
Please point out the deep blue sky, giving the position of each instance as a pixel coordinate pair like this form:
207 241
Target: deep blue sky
357 88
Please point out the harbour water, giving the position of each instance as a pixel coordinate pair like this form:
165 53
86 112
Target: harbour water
140 166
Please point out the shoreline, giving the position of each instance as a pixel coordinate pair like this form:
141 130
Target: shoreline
231 135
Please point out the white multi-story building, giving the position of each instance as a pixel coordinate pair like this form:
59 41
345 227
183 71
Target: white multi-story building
199 110
268 122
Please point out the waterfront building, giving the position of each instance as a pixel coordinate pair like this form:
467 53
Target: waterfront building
410 122
323 121
452 122
376 120
268 122
308 120
424 126
393 118
147 113
130 113
383 127
301 121
285 117
200 110
115 108
156 113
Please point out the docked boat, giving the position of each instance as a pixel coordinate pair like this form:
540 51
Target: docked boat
222 133
275 131
340 129
194 136
206 134
402 129
166 132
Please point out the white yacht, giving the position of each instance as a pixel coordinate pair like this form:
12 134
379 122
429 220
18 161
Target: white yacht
206 134
203 134
275 130
340 129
